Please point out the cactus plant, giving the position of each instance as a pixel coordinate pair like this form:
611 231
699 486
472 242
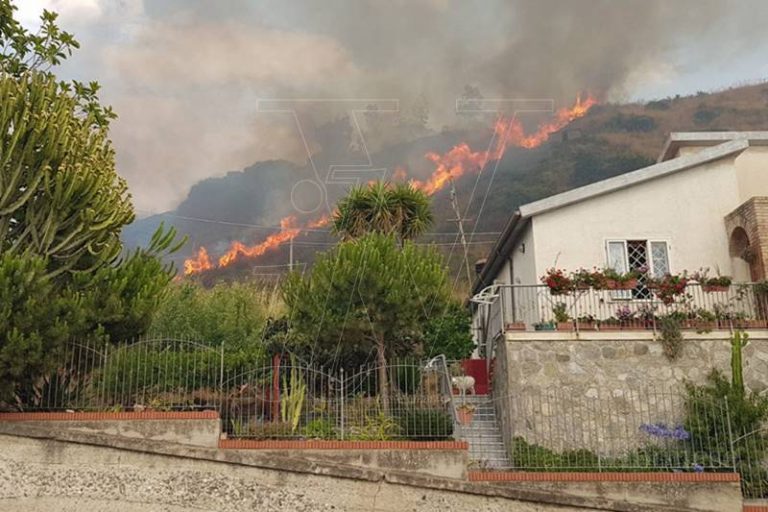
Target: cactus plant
294 393
739 340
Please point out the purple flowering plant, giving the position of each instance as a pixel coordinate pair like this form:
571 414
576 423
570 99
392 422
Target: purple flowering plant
663 431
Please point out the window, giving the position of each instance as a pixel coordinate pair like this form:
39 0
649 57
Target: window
626 255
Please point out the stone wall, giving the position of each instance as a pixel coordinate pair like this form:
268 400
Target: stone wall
94 472
596 390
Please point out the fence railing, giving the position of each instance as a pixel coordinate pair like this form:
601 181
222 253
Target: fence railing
630 430
278 398
586 429
504 307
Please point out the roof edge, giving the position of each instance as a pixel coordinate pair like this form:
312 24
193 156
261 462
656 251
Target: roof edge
500 251
676 140
629 179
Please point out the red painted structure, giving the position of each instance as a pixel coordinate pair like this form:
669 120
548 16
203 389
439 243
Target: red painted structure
477 368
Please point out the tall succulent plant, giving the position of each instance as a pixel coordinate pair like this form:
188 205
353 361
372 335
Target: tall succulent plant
60 195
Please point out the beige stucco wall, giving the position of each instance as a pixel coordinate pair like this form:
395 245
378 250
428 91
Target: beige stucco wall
752 172
686 209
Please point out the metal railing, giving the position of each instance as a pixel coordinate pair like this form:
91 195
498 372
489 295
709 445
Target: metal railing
615 430
257 398
502 307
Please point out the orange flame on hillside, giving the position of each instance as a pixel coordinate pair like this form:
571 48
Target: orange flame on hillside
200 263
450 165
508 132
237 250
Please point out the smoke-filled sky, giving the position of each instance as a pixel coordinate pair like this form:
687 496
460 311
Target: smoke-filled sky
186 76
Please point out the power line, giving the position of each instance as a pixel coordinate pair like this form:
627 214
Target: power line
278 228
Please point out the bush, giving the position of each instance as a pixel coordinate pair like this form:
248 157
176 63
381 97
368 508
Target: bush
426 425
630 123
449 333
320 429
379 427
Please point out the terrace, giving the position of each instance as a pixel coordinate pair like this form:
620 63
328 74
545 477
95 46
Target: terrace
636 304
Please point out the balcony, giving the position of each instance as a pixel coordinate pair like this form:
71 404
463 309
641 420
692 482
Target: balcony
504 308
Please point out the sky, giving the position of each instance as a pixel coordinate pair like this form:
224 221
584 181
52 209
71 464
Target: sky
186 76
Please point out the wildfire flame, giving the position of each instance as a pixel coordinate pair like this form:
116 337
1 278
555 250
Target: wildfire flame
200 263
450 165
508 132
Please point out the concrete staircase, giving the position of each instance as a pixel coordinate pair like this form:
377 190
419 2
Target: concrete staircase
486 446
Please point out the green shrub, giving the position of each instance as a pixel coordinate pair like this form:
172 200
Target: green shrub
630 123
426 425
269 430
534 457
320 429
378 427
407 377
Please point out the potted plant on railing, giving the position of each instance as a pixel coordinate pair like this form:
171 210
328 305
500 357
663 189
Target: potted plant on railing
584 279
712 284
717 284
563 320
465 413
557 282
615 280
669 287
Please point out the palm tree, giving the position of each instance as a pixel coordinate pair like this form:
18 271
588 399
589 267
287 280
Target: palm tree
381 207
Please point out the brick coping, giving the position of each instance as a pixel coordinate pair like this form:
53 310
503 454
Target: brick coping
109 416
754 508
529 476
290 444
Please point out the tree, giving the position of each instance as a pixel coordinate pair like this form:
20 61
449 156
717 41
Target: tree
367 295
399 210
449 333
62 206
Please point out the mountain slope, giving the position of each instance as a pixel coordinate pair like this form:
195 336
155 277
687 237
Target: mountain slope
611 139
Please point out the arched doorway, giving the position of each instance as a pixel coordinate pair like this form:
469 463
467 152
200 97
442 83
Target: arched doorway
745 261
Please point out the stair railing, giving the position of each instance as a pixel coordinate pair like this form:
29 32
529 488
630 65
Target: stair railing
446 387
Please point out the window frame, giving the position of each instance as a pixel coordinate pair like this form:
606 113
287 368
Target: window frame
623 295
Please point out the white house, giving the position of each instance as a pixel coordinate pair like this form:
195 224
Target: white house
703 205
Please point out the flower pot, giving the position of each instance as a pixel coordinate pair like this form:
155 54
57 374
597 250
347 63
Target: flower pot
631 284
465 416
700 325
516 326
544 327
565 326
634 326
748 324
586 326
611 284
609 327
714 288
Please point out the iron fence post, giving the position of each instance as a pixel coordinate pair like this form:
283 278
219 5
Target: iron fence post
103 376
221 376
341 403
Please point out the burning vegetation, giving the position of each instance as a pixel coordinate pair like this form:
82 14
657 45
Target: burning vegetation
451 165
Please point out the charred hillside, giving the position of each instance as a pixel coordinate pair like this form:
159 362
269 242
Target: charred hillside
610 139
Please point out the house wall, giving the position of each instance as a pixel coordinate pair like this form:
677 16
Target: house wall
752 172
686 209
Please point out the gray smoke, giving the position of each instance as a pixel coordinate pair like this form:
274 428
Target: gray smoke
186 75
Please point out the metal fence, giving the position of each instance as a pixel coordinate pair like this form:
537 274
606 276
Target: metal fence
280 398
625 430
533 307
589 429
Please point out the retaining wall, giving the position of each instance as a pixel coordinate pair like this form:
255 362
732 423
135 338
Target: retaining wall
42 471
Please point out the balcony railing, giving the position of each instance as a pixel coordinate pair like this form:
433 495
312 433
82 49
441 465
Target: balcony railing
503 308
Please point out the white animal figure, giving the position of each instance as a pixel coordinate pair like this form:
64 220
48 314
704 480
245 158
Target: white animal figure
464 383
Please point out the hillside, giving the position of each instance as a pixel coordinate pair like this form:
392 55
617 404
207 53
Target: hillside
611 139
